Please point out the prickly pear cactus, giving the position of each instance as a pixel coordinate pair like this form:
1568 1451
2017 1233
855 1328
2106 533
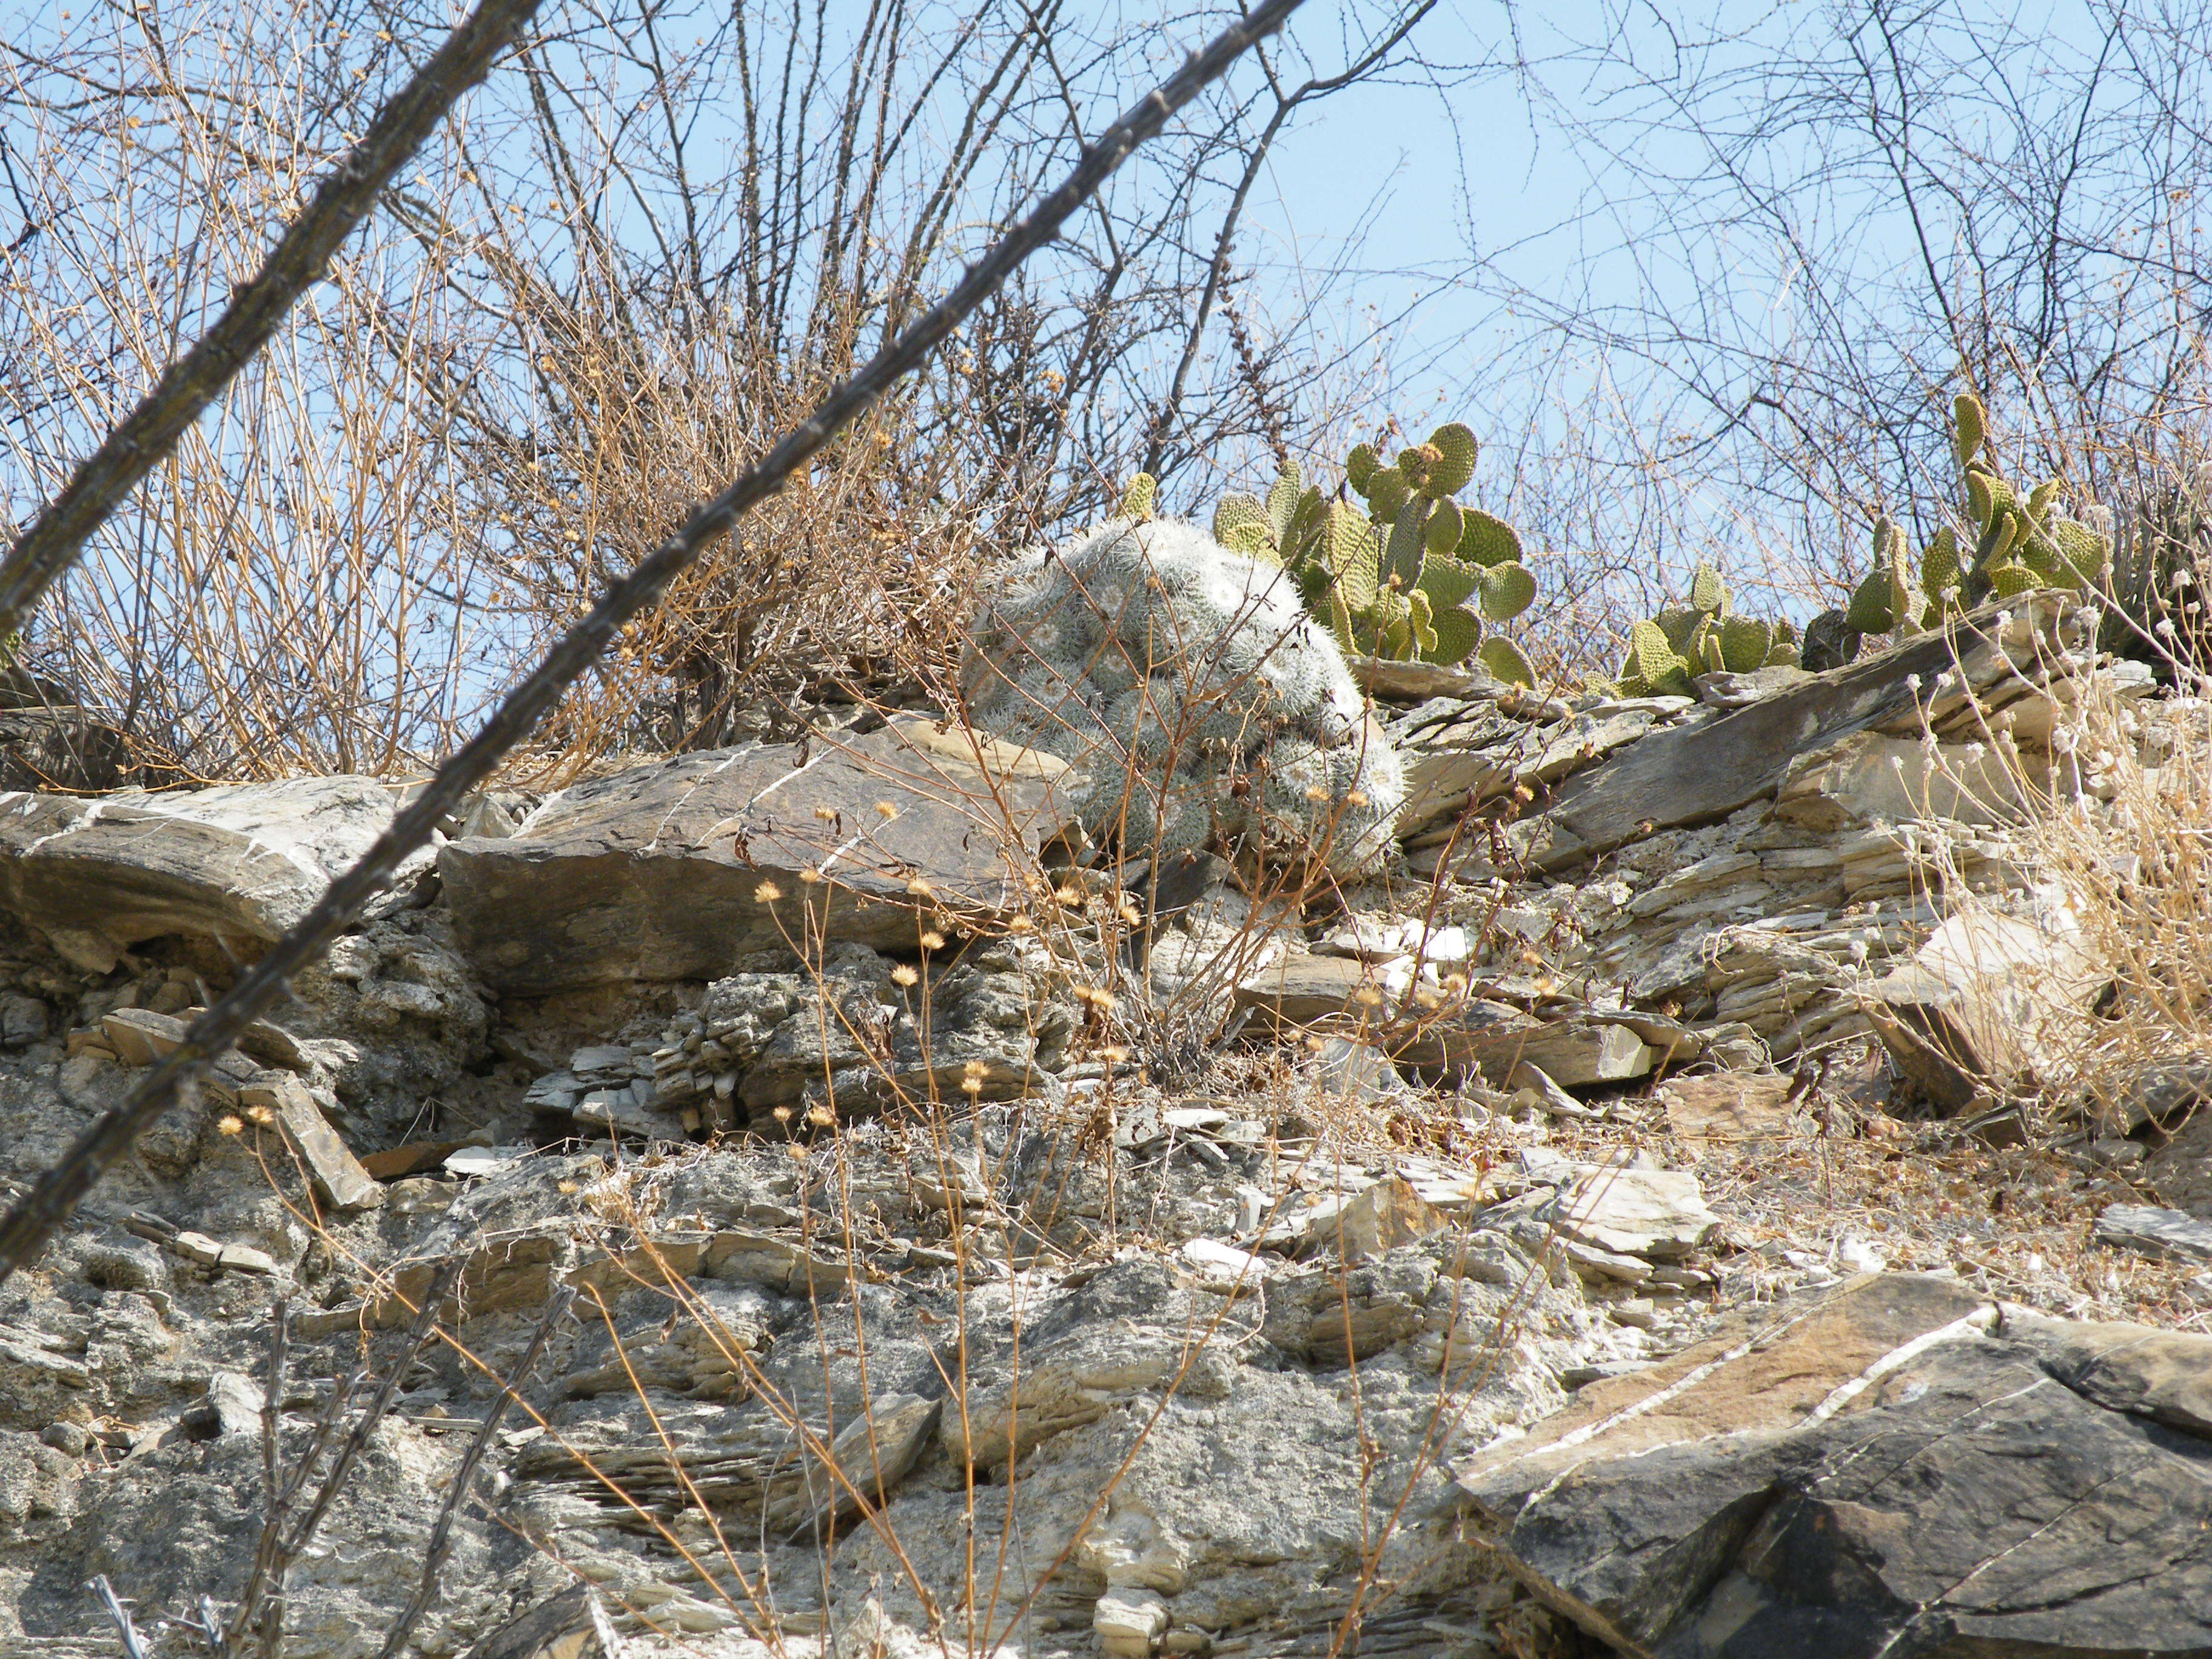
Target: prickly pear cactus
1201 701
1703 637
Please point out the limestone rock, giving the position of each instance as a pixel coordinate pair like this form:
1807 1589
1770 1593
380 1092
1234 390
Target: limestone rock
673 870
1984 1003
240 862
1656 1214
1894 1467
1697 773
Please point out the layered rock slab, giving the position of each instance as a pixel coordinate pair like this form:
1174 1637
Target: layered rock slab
1900 1467
673 870
239 862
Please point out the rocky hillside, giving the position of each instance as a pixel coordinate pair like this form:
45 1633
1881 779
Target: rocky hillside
1628 1223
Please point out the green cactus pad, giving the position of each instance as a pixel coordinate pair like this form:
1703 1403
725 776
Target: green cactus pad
1238 514
1988 496
1340 624
1487 541
1349 551
1680 623
1393 619
1889 549
1873 608
1454 468
1447 581
1972 424
1401 555
1503 659
1283 499
1708 592
2040 500
1998 541
1302 538
1388 492
2086 553
1654 662
1507 590
2009 580
1360 466
2037 551
1251 540
1417 465
1440 536
1744 644
1136 501
1782 653
1419 626
1939 566
1458 632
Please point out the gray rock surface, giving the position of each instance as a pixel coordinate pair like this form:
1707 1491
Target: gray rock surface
240 862
676 869
1901 1466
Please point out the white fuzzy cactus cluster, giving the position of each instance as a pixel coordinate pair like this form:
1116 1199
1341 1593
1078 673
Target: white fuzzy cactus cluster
1190 685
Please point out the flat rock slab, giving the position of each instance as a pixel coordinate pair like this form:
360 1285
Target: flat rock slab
1698 774
673 870
2163 1234
240 862
1898 1467
1345 997
1727 1110
1656 1214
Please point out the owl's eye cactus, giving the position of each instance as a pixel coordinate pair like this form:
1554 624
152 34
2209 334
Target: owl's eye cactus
1200 701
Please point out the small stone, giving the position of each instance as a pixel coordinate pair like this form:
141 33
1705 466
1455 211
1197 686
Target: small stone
69 1438
140 1037
1128 1621
1222 1267
338 1176
23 1020
213 1252
1658 1213
1382 1217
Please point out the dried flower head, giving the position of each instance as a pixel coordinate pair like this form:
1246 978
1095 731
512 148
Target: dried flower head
821 1117
229 1124
826 814
903 974
971 1086
782 1115
766 893
1115 1055
885 811
932 940
919 888
261 1115
810 875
